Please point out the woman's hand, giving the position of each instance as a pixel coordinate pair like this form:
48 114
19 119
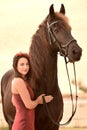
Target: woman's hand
48 98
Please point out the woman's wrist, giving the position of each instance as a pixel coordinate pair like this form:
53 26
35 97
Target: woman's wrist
37 101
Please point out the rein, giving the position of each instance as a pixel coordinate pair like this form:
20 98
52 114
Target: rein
74 106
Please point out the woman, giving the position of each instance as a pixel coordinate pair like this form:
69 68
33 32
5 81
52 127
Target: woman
22 94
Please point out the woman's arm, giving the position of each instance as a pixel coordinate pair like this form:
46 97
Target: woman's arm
19 87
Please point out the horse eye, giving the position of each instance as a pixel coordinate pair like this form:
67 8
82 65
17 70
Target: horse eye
56 30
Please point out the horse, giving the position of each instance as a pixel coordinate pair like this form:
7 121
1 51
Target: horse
53 36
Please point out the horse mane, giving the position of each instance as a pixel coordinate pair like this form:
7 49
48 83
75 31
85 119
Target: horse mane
39 51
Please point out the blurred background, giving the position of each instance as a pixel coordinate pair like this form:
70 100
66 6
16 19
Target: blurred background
19 20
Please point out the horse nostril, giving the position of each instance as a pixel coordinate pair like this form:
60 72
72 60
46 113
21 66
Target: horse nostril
75 52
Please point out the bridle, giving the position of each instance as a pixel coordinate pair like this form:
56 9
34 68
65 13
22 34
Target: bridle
74 105
54 39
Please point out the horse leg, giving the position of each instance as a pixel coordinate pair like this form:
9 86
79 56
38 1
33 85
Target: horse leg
10 125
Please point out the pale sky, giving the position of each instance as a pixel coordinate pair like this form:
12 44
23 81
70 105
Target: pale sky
19 19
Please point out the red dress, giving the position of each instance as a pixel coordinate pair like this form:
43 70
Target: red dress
24 118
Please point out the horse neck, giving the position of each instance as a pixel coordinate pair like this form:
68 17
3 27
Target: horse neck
50 63
44 61
51 71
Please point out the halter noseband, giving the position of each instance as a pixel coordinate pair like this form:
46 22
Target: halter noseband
52 36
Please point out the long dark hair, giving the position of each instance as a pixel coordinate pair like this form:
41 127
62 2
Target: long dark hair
15 62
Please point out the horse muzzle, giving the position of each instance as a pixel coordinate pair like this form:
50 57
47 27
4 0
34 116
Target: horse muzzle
75 54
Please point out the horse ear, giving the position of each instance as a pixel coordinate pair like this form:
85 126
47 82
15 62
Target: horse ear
62 9
51 11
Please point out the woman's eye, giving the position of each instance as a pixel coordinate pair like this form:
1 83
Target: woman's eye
22 64
27 64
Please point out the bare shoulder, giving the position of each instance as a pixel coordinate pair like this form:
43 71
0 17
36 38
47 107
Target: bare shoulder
17 81
17 85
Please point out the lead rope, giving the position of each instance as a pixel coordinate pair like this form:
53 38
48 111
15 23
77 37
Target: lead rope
73 107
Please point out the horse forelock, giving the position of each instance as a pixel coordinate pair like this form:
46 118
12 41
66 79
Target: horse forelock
64 19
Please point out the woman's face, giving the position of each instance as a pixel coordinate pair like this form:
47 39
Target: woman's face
23 66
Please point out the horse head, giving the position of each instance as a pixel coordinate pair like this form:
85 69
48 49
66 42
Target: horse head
53 36
60 37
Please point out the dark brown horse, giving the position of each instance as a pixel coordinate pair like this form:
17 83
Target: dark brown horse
52 36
